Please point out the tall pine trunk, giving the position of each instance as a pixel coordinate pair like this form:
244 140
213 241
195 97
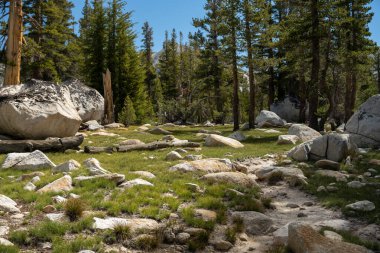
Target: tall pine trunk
378 71
235 78
251 75
14 44
314 91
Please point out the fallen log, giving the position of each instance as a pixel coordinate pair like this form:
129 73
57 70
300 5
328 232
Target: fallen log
48 145
98 150
157 145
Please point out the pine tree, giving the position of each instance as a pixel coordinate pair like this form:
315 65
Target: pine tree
232 26
52 53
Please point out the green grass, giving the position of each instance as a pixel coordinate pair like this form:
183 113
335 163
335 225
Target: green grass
350 238
346 195
150 202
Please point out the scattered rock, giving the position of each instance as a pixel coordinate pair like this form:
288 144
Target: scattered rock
255 223
272 131
145 174
362 206
301 152
303 132
214 140
93 125
336 224
236 178
173 156
332 235
30 176
8 205
287 172
94 167
5 242
239 136
222 245
355 184
114 177
327 164
27 161
142 129
193 157
66 167
59 199
205 165
303 238
30 187
205 215
62 184
340 177
114 125
269 119
292 205
287 139
194 187
136 225
131 142
374 162
135 182
288 109
4 230
158 130
49 209
183 238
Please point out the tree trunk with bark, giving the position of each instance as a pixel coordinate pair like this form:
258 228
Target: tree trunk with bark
235 80
251 74
14 44
109 116
314 91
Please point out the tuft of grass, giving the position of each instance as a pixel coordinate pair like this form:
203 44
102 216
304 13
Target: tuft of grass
81 225
146 242
350 238
78 244
46 231
9 249
231 234
198 241
189 217
279 249
267 202
74 208
238 224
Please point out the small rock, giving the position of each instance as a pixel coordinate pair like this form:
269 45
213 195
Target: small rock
292 205
93 165
340 177
173 156
327 164
145 174
27 161
222 245
363 206
135 182
182 238
5 242
158 130
30 187
332 235
287 139
61 184
59 199
239 136
194 187
49 209
308 203
374 162
236 178
205 215
255 223
321 189
131 142
193 157
214 140
4 230
35 179
356 184
66 167
301 215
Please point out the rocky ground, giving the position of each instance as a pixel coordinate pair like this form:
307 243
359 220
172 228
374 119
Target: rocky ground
193 190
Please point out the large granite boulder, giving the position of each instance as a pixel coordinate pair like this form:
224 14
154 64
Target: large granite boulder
334 147
214 140
303 132
269 119
38 110
87 101
303 238
364 125
288 109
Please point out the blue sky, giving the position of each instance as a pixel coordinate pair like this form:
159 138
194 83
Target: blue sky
168 14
